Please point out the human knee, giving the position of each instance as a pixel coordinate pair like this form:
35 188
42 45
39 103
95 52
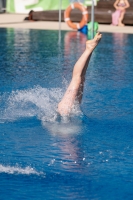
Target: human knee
77 79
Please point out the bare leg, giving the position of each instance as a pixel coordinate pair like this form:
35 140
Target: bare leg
75 88
121 18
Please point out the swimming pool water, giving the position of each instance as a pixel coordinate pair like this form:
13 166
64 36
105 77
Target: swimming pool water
87 157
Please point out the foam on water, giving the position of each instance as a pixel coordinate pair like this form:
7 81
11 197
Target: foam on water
18 170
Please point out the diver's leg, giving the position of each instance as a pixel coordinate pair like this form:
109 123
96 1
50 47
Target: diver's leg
121 18
64 107
81 86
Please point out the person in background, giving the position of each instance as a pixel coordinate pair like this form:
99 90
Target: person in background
30 17
118 15
2 6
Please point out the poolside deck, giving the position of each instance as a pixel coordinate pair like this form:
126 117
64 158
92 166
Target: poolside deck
16 21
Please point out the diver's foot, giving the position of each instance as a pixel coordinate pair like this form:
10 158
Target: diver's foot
91 44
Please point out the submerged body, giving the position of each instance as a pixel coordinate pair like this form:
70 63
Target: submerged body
74 91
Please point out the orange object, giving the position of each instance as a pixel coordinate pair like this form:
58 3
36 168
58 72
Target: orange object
84 19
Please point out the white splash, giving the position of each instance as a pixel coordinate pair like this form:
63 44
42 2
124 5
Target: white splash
38 101
18 170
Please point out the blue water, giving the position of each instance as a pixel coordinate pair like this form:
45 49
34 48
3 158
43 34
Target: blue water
88 157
